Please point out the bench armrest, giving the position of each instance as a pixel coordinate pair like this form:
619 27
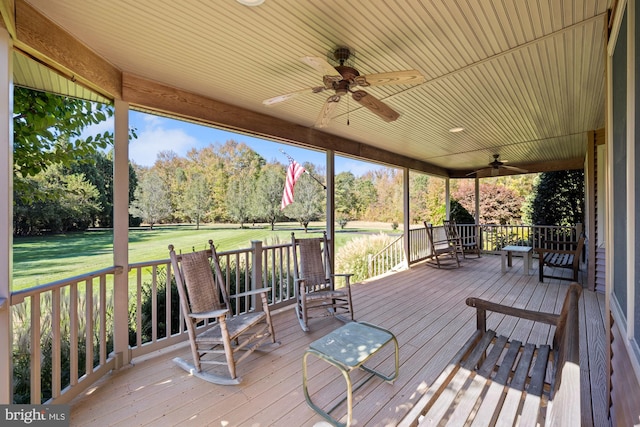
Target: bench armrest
482 306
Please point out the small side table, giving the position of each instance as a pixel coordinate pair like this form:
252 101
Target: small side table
348 348
527 255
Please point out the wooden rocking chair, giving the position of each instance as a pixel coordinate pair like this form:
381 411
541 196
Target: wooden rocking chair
443 250
464 245
204 299
315 287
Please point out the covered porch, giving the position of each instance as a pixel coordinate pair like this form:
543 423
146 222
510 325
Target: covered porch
424 307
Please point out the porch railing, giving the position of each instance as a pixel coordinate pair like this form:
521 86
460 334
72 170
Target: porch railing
389 258
64 331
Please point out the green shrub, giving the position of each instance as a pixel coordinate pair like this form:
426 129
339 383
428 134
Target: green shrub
353 256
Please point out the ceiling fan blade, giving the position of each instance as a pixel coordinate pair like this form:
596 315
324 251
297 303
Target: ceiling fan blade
376 106
288 96
515 169
327 109
321 65
392 78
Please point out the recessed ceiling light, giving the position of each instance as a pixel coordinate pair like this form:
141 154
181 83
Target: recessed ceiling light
251 2
455 130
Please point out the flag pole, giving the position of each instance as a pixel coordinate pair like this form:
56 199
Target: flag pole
305 171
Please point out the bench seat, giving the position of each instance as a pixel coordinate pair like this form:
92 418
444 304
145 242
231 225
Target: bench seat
493 380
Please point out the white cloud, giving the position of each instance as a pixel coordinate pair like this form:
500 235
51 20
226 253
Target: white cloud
154 138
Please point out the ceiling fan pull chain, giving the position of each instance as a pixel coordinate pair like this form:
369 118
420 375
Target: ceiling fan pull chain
348 110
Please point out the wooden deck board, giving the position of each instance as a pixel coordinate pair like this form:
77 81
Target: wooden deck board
424 307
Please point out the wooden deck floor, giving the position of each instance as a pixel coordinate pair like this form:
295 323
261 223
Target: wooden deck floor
424 307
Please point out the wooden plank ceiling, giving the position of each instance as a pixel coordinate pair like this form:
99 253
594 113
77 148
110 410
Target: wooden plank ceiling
524 79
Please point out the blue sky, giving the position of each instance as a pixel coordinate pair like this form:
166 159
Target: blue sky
157 134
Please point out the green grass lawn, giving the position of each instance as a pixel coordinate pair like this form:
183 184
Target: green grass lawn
44 259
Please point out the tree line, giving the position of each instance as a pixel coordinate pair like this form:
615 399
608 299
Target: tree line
64 182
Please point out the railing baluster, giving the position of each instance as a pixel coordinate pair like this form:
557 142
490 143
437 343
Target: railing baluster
88 326
103 320
138 306
167 305
73 333
154 303
56 339
35 349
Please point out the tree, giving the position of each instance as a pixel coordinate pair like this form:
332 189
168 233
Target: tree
98 170
498 204
151 202
47 130
459 214
239 194
388 204
196 198
210 165
418 193
435 203
365 195
71 203
309 199
268 195
345 196
557 199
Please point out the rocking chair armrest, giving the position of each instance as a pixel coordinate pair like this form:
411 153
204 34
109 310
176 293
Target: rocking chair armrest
347 278
251 292
209 314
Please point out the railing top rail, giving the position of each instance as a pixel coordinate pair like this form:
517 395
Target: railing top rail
388 246
149 263
19 296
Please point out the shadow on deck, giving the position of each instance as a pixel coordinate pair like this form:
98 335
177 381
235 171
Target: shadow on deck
424 308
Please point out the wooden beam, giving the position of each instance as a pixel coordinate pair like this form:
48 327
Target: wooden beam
45 41
7 10
153 96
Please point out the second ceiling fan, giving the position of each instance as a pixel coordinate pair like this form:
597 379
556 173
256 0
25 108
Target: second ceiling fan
495 166
344 79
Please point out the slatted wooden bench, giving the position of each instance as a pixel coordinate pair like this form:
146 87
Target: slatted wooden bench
550 256
495 381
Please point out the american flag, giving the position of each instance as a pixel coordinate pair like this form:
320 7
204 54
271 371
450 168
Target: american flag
293 173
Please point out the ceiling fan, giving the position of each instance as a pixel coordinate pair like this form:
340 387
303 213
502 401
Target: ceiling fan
496 165
344 79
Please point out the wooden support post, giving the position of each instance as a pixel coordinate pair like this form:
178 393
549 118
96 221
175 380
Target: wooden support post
6 212
121 233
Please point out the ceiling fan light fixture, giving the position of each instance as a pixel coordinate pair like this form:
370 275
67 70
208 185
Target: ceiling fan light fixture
456 129
250 3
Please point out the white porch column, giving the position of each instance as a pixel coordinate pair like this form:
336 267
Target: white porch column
447 198
121 232
331 203
6 211
406 215
477 201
